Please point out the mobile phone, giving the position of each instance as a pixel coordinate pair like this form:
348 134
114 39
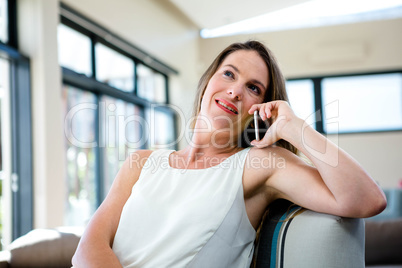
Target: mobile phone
257 133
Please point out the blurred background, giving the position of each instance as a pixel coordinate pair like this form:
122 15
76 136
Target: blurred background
85 82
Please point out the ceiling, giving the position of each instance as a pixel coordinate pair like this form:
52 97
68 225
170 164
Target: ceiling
214 13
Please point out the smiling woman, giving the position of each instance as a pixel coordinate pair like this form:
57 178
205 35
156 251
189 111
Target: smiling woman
272 87
201 206
239 82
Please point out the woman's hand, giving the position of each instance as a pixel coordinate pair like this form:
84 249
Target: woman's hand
281 116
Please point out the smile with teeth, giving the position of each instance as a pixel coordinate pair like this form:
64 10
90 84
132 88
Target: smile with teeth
227 107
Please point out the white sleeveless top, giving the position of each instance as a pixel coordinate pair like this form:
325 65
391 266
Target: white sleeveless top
186 217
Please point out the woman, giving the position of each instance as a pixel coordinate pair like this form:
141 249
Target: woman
200 206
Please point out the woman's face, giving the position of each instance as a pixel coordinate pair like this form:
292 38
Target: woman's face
239 82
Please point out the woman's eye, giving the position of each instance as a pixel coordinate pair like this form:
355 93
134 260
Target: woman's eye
228 73
254 88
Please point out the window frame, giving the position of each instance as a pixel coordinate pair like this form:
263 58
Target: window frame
318 101
12 24
21 124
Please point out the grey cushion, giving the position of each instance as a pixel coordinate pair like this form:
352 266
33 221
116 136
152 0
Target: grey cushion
309 239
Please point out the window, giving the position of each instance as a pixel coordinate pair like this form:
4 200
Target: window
363 103
161 129
151 85
79 128
5 152
16 213
301 99
122 132
108 110
349 104
114 68
74 50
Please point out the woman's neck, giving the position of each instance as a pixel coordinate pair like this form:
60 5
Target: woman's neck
207 142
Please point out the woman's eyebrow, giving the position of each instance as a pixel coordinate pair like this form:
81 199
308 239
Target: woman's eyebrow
253 80
234 67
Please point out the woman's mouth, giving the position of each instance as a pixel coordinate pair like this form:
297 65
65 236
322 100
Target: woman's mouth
227 107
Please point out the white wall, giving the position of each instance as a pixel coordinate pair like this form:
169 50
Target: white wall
360 47
341 49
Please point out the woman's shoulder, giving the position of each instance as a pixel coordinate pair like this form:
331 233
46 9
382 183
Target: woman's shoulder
138 158
270 160
143 153
263 162
132 166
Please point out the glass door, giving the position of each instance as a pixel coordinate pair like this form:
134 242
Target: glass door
5 154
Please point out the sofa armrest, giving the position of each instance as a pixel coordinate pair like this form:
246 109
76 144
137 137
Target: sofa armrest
295 237
44 248
384 242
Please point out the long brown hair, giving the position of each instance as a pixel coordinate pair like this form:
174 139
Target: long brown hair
276 85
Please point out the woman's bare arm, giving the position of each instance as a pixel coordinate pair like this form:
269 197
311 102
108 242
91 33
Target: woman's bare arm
95 247
336 184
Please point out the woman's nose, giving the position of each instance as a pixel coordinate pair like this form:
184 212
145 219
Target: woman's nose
235 92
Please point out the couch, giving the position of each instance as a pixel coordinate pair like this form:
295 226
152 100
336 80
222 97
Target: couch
384 233
291 237
42 248
295 237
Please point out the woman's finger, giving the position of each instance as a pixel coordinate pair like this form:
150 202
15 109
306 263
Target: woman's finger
263 115
268 110
270 137
255 107
267 140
